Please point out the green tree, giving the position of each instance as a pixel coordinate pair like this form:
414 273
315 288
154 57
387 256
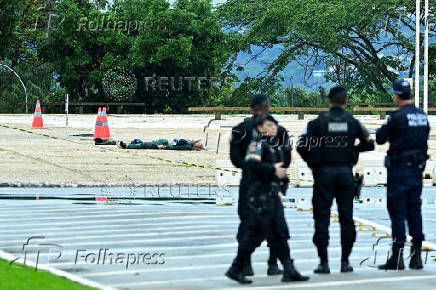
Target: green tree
365 43
145 37
8 21
22 25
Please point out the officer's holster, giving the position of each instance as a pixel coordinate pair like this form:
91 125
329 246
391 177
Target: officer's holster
357 182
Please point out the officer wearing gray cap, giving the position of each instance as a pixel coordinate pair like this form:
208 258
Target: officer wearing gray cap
407 131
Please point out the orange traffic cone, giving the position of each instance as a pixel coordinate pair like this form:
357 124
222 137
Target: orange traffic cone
106 127
37 117
101 128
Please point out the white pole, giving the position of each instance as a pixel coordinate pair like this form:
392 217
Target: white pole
418 23
425 103
21 81
66 110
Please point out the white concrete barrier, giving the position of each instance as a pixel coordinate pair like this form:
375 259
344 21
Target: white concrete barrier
226 196
374 171
433 172
373 200
303 204
224 178
227 178
428 174
303 174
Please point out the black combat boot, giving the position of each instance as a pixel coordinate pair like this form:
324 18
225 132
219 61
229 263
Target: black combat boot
395 262
236 275
247 270
291 274
346 267
416 260
345 263
273 268
323 268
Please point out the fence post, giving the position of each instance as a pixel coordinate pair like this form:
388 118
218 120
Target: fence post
66 110
300 115
218 143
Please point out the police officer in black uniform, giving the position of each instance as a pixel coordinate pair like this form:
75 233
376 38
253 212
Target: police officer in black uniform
266 213
328 148
240 139
407 131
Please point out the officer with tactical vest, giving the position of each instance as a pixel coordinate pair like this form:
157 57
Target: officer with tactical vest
407 131
240 139
266 218
329 150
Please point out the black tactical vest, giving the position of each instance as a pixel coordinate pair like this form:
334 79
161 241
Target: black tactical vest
337 138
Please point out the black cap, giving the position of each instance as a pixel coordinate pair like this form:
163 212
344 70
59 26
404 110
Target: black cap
336 90
401 87
259 99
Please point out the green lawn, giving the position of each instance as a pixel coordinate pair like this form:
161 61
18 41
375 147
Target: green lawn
15 278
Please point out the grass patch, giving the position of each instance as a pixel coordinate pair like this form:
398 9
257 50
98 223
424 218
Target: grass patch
16 278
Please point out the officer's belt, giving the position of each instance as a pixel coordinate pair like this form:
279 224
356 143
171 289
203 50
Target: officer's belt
404 154
410 158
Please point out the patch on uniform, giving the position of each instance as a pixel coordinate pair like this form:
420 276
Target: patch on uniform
334 127
417 120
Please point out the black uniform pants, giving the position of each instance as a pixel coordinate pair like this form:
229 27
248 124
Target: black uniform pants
243 211
404 188
244 217
333 182
271 226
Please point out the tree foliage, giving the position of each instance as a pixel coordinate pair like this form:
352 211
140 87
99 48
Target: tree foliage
365 44
145 37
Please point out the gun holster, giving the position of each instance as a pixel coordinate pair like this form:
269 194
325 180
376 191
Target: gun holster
357 180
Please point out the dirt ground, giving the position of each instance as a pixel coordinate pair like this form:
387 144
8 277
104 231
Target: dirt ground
32 158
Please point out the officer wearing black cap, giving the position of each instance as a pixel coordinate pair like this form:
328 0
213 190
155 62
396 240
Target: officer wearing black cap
329 150
242 135
407 131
